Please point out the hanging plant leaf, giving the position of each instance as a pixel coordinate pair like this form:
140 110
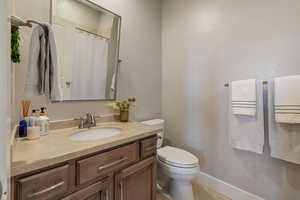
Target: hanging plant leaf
15 44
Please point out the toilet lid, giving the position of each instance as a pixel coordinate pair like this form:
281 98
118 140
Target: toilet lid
177 157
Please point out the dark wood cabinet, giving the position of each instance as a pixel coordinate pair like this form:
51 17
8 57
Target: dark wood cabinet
102 164
137 182
148 147
102 190
50 184
126 172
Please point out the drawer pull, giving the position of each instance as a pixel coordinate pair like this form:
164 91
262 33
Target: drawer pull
47 189
112 164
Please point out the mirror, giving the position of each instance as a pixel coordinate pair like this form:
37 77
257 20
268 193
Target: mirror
87 38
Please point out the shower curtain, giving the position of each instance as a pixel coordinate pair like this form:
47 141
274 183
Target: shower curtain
90 66
113 46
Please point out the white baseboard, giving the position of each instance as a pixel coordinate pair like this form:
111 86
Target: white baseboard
226 189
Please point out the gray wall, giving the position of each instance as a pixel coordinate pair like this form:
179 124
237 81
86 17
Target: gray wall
206 43
140 51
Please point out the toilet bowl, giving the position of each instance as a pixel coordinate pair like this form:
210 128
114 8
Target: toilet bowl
176 168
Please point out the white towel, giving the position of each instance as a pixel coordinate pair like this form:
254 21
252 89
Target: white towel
284 138
247 132
113 83
243 96
287 99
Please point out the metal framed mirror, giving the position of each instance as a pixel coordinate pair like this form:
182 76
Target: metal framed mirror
88 40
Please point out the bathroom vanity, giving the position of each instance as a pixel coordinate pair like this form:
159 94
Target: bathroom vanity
121 167
73 164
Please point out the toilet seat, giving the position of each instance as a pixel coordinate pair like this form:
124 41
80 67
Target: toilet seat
176 157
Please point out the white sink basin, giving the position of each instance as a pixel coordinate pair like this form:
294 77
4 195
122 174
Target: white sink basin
95 134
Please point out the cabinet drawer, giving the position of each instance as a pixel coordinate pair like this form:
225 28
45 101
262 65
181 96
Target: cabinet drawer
148 147
99 165
46 185
97 191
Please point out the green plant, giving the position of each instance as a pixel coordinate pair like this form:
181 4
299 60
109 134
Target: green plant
122 105
15 44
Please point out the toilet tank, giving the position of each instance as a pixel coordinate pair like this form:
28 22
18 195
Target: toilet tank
160 123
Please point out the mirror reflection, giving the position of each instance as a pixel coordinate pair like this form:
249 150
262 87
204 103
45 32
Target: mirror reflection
87 39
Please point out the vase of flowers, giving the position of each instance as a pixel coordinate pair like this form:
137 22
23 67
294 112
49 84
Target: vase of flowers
123 106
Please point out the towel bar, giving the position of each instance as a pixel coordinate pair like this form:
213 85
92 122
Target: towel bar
227 84
17 21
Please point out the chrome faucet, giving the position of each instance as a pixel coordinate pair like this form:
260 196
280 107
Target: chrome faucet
88 122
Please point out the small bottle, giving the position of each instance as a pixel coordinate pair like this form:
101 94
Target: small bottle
23 129
43 122
33 131
33 118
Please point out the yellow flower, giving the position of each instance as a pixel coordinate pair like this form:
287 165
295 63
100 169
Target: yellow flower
123 105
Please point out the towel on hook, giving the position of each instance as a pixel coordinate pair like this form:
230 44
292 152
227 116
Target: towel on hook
243 97
287 99
42 73
33 84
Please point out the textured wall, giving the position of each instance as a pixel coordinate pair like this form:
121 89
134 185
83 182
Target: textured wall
140 52
206 43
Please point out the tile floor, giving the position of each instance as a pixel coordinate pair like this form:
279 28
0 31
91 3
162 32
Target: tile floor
202 192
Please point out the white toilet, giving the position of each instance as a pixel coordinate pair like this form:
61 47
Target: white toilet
176 167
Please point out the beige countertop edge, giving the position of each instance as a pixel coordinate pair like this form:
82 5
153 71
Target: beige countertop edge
25 168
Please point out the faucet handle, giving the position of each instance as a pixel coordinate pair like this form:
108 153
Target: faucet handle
81 123
91 119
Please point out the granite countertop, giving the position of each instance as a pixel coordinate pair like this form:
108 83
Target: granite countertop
57 147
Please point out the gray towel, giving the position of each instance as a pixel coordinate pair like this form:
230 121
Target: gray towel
33 84
43 74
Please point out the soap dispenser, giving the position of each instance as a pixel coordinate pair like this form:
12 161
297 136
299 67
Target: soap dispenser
34 129
43 121
33 118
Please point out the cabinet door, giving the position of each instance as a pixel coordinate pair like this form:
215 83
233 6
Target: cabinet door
137 182
102 190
